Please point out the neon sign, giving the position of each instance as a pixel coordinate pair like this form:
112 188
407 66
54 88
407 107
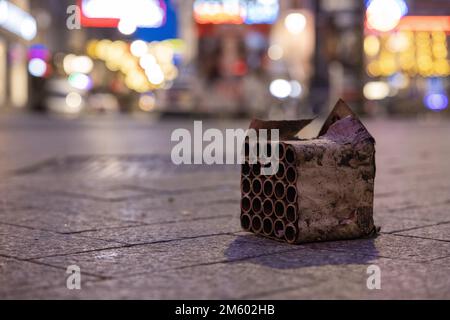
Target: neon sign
236 11
108 13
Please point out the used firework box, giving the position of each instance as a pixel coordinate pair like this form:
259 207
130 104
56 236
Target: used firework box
324 187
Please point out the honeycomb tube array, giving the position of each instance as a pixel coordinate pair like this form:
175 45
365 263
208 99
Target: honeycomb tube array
268 205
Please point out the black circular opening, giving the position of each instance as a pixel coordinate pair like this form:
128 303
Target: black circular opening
245 222
267 226
256 205
291 175
246 186
267 207
279 190
256 169
279 208
290 155
291 213
256 224
245 204
290 234
246 169
268 188
257 187
291 194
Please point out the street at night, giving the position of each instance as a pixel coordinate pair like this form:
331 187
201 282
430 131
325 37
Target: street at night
224 150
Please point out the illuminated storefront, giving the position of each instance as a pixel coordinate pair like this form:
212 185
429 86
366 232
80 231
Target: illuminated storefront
233 39
406 57
17 27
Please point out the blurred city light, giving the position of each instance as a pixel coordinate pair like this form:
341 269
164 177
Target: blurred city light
384 15
74 102
275 52
376 90
138 48
227 56
296 89
421 52
37 67
38 51
17 21
236 11
127 26
123 14
147 102
436 101
81 64
80 81
295 23
280 88
371 45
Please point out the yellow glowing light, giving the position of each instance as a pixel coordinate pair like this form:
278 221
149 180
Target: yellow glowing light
441 67
116 51
388 66
163 53
422 35
398 42
128 64
170 71
112 65
275 52
91 48
424 63
407 62
439 36
373 69
440 51
371 45
102 48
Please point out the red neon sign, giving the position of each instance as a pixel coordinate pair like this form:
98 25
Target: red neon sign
107 22
425 23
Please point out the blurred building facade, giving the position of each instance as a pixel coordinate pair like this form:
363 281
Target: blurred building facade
265 58
17 29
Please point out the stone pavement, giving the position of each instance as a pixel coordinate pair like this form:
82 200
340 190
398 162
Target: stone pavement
102 194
